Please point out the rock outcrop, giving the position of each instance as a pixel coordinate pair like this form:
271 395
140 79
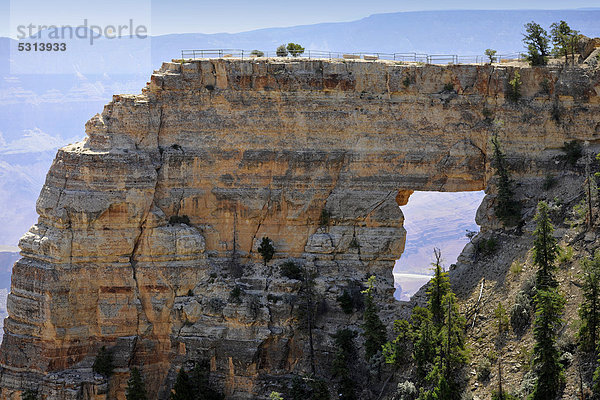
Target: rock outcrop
148 230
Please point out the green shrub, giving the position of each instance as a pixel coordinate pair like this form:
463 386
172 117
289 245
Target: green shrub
257 53
484 370
354 244
406 391
345 301
516 267
325 217
514 88
266 249
291 270
235 295
486 247
520 313
103 362
29 395
281 51
556 112
545 86
448 87
407 81
309 388
177 219
505 396
573 151
565 255
487 114
549 182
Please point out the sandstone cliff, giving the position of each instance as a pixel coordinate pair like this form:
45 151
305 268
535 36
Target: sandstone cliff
247 149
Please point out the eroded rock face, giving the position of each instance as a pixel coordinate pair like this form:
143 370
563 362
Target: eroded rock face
247 149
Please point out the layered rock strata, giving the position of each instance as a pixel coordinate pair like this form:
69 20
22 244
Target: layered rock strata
148 230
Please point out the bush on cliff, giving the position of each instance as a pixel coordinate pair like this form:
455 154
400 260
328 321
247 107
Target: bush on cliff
266 249
103 362
29 395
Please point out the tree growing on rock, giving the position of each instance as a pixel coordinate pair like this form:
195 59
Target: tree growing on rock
545 249
266 249
537 41
103 362
344 343
200 383
182 390
550 304
589 310
136 389
439 286
507 210
29 395
374 330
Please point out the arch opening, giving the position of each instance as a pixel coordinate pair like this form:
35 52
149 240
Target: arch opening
432 219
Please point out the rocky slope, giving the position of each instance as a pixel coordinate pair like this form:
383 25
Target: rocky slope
248 149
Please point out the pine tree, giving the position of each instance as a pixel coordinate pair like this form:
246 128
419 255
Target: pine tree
439 348
563 38
374 330
396 352
453 354
183 389
344 341
307 309
103 362
200 382
425 340
507 210
545 249
266 249
438 287
549 371
135 386
589 311
537 42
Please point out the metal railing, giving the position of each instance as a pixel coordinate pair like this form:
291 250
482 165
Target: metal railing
440 59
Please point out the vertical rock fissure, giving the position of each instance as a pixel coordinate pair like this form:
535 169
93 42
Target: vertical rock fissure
133 263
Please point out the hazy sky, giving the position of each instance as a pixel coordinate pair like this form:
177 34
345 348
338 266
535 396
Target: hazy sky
183 16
